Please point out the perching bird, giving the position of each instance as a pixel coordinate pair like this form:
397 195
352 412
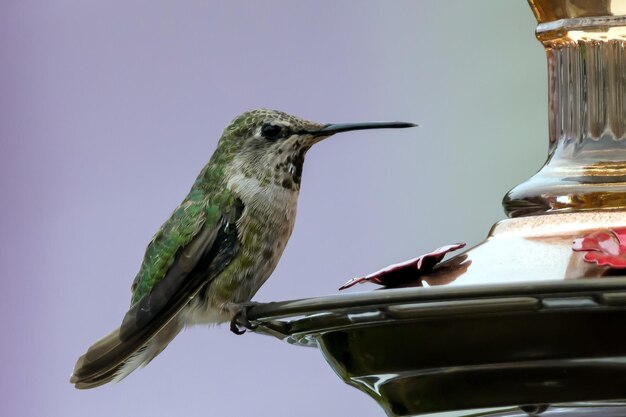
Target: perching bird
220 244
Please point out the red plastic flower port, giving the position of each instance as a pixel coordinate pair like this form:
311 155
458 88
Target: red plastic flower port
409 270
605 247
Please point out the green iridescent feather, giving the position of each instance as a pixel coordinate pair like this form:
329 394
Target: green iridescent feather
197 210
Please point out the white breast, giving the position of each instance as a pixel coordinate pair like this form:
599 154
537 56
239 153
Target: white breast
270 198
271 204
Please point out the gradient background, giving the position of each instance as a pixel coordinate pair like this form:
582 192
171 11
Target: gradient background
109 109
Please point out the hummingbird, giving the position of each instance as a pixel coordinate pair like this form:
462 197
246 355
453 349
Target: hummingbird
206 262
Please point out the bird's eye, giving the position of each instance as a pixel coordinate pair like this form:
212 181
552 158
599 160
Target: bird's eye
270 131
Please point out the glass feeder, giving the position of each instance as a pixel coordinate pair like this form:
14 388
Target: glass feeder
529 321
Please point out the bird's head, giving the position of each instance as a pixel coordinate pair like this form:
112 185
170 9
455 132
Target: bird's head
271 145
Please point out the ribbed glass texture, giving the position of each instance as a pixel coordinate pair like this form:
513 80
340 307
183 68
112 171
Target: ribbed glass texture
586 166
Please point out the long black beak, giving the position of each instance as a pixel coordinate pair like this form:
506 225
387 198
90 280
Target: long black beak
331 129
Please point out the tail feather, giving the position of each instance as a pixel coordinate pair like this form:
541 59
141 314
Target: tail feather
112 358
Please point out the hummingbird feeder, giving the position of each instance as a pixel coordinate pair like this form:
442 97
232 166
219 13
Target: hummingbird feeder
532 320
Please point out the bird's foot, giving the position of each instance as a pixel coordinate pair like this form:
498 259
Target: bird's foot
240 322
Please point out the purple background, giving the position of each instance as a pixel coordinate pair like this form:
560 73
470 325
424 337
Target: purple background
109 109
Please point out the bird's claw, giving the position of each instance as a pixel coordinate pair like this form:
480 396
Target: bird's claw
240 322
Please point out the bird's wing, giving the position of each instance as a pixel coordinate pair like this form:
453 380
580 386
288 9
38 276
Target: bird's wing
192 257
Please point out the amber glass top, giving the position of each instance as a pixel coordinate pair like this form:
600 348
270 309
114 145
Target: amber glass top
551 10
